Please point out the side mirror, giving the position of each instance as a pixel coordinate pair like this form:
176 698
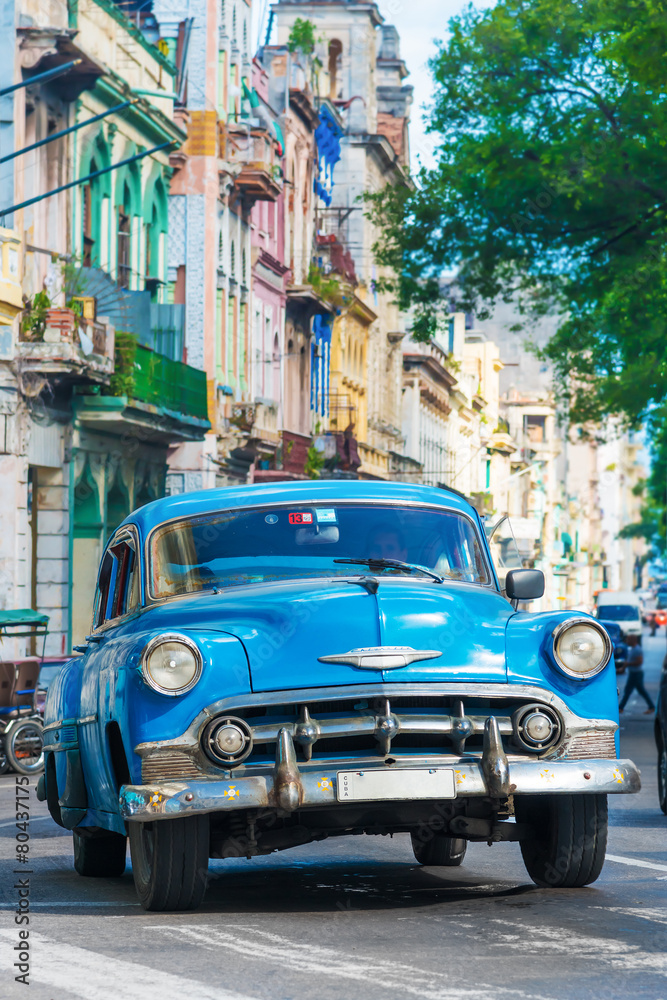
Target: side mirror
524 584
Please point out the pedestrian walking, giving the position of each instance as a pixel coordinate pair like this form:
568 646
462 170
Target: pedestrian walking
635 681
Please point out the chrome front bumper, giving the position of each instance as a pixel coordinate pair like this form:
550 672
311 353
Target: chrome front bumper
287 788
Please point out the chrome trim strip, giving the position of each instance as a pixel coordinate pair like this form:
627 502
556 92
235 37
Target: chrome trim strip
389 657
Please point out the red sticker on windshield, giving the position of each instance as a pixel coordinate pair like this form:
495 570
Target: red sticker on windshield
300 518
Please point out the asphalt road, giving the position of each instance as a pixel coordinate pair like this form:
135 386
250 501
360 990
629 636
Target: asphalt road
355 918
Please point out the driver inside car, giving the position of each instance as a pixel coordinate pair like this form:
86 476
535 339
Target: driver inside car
386 542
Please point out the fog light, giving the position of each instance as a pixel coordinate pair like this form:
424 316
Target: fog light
227 740
537 727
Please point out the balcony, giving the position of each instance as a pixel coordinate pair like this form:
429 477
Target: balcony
253 149
166 403
174 387
65 344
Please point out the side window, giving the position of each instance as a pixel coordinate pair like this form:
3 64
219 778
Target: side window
118 590
126 585
104 582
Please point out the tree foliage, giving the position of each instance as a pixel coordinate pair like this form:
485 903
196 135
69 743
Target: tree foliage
550 189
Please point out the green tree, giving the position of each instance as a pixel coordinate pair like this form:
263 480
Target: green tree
549 189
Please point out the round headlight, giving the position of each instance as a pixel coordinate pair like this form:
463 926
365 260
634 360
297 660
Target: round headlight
581 648
171 664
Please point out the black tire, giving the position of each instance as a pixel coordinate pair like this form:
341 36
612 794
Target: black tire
439 850
662 776
170 862
4 763
99 855
569 838
24 747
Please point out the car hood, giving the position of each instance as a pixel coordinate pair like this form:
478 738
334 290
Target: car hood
286 627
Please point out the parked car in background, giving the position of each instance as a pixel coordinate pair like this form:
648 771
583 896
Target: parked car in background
273 665
614 632
623 607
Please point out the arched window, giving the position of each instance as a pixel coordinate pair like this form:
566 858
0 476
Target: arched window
234 24
244 275
221 251
232 261
124 238
89 251
335 67
93 201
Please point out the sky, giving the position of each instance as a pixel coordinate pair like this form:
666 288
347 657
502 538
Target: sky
420 23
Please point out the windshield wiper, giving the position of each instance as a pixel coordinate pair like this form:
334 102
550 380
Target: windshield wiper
380 563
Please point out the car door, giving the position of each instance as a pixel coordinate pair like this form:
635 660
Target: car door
117 598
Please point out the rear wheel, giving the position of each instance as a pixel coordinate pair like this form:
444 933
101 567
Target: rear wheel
439 850
24 747
99 855
170 862
567 846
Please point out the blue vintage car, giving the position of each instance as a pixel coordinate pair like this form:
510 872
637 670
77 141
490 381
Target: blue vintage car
273 665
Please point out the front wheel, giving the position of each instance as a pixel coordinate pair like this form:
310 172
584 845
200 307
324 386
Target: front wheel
24 747
662 776
569 838
170 862
439 850
99 855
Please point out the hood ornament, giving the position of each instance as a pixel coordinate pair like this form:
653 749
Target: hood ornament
381 657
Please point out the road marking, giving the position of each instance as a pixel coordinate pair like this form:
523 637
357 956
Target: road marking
297 956
95 976
643 912
611 952
636 863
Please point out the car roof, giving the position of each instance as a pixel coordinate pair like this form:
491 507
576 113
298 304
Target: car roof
300 492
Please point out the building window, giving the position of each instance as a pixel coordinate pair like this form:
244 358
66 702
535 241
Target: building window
221 251
232 261
335 67
124 241
88 239
534 428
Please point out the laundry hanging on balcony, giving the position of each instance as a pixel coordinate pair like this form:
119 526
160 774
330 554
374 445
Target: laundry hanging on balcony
327 136
320 359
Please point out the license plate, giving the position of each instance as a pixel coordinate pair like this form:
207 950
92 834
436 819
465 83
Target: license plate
408 783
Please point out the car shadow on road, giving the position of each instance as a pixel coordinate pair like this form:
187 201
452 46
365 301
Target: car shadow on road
346 887
248 887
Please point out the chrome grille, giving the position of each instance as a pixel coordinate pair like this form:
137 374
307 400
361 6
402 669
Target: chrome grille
592 744
168 766
380 725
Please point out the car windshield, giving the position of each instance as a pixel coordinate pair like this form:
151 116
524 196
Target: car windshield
619 612
232 548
